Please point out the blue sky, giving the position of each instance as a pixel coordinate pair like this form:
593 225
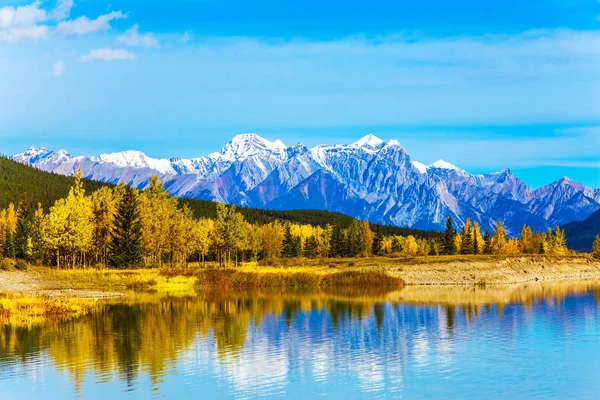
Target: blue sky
484 85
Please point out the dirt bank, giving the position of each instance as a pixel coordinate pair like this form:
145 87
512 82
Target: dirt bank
419 271
497 272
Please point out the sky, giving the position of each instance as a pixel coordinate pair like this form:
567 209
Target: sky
485 85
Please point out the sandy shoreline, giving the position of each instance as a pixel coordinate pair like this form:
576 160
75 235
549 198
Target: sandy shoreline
41 281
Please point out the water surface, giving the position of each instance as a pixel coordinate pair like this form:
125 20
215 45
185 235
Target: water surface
535 341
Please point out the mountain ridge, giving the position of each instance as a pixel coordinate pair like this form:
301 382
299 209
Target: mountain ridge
368 179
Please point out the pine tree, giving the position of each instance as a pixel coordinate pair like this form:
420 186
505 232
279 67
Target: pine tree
8 250
487 240
449 245
311 246
467 239
290 244
37 232
125 248
22 236
377 241
396 245
475 244
337 243
433 248
596 248
353 239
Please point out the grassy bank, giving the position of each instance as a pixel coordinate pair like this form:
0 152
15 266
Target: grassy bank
294 278
309 274
20 309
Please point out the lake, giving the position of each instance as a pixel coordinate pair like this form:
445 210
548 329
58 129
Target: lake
533 341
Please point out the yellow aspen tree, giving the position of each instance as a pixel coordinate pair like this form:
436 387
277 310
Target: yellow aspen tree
477 234
366 238
458 242
79 223
55 230
512 247
202 238
526 240
499 239
104 207
272 239
254 238
156 209
410 246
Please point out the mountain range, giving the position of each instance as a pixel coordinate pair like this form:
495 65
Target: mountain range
369 179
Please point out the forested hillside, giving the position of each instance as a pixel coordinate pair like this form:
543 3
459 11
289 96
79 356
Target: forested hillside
581 234
45 188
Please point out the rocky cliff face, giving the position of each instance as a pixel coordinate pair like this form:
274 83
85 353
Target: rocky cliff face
369 179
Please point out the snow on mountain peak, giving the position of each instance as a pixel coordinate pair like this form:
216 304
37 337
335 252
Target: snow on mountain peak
422 168
137 159
369 140
441 164
249 144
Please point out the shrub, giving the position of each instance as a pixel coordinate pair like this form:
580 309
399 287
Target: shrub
596 248
7 264
21 265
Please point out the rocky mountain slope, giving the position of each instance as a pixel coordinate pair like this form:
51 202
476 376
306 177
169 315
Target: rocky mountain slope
369 179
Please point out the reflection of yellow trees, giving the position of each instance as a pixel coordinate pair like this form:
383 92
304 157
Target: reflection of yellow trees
145 334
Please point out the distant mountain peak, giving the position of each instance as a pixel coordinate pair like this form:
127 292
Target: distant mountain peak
248 144
441 164
422 168
369 140
137 159
368 179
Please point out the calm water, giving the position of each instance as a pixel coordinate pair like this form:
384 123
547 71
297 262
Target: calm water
529 342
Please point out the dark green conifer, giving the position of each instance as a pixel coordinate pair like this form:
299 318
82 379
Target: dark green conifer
396 246
125 248
377 241
8 249
292 246
487 240
449 245
311 246
467 240
433 248
337 244
21 238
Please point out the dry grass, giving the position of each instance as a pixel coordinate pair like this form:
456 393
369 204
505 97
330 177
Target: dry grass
265 277
26 310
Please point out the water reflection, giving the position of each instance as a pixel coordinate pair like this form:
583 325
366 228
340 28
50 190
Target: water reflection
275 343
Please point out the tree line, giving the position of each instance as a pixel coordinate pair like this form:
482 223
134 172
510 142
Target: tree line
470 241
121 227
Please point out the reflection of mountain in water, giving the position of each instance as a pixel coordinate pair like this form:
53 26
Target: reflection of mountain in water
255 339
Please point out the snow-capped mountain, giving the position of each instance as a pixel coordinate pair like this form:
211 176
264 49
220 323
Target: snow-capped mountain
368 179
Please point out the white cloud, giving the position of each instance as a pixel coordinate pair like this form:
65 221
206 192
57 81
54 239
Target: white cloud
25 23
58 68
62 9
132 37
19 35
187 37
84 25
108 54
22 16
